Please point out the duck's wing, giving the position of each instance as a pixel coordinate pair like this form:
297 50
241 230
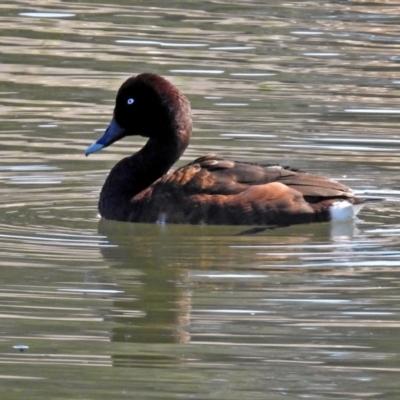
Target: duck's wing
218 191
216 175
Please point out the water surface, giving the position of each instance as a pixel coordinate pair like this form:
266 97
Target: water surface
98 309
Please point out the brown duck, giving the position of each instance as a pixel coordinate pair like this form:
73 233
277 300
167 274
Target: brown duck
209 190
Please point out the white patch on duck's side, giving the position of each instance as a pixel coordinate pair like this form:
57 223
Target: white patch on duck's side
344 210
162 219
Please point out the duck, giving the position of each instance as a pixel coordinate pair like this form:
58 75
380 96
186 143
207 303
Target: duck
211 189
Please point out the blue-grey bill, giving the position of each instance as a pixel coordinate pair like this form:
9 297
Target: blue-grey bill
93 148
113 133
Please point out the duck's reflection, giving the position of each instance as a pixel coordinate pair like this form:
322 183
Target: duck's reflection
155 267
155 307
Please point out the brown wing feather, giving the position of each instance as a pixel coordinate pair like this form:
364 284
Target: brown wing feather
215 175
214 190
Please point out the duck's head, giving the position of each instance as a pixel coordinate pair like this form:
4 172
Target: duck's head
146 105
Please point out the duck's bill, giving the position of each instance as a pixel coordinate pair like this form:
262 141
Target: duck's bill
113 133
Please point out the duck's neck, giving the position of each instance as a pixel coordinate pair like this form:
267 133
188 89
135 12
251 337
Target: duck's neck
133 174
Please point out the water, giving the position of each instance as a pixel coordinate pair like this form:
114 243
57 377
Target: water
97 309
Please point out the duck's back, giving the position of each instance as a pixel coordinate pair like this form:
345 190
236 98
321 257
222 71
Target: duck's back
213 190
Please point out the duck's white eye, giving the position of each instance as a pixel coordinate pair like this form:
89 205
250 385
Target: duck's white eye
130 101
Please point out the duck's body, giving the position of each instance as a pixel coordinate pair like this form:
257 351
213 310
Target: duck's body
211 189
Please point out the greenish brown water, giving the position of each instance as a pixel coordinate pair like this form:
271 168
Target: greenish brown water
116 310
